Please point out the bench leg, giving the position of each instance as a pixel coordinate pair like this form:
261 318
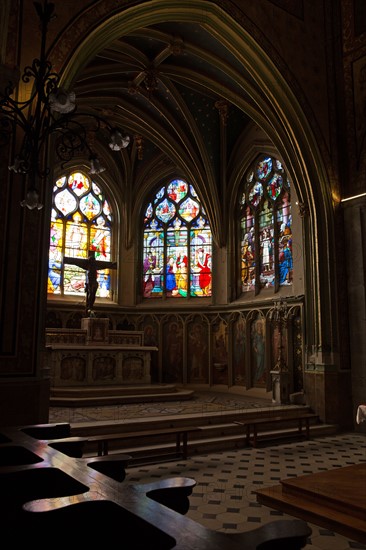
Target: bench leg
185 445
177 445
254 435
247 435
175 498
307 427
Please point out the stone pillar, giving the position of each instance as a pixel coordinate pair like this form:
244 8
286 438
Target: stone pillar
280 387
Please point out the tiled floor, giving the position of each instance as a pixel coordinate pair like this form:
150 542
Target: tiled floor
224 496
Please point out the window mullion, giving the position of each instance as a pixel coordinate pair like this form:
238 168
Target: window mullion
257 271
275 250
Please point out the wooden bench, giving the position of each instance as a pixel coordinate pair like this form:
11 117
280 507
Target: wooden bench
59 491
180 433
173 492
70 446
113 466
48 431
252 425
282 534
58 436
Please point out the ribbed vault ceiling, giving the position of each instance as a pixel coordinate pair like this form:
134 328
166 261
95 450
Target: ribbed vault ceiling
166 83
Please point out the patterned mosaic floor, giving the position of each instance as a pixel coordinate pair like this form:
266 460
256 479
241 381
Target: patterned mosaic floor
224 498
201 402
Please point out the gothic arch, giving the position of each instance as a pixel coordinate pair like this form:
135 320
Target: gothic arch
286 127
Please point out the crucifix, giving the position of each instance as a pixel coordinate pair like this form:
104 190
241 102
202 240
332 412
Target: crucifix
91 266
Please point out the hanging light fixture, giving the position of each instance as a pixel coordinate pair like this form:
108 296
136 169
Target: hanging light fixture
95 166
31 200
118 141
50 110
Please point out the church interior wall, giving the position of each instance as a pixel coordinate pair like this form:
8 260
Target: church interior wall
308 68
226 335
355 235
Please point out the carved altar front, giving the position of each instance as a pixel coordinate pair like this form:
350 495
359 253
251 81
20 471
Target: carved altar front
94 355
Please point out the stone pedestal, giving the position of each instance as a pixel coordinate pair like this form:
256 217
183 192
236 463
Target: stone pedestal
280 387
96 330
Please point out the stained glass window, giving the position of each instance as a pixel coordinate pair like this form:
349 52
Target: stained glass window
177 247
81 220
265 227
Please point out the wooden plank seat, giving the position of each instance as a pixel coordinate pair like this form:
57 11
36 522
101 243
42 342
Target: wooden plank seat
48 431
283 534
300 420
70 446
172 492
113 466
180 432
95 521
65 491
85 516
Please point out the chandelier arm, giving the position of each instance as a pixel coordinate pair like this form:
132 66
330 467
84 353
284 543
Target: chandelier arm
48 110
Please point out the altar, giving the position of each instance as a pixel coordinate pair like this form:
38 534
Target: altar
95 355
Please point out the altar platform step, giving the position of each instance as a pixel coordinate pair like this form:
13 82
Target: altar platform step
210 439
218 430
92 396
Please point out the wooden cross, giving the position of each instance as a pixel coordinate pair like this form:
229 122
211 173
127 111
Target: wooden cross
91 266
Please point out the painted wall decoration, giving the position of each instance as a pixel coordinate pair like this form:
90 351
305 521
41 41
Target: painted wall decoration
297 349
220 353
238 352
173 351
207 348
151 338
258 352
198 351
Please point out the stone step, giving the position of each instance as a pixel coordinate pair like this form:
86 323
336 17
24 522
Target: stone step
91 396
212 443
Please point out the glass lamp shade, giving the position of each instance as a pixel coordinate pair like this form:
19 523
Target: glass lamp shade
62 102
96 167
32 200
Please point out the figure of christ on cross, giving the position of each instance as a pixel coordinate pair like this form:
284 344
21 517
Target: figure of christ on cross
91 266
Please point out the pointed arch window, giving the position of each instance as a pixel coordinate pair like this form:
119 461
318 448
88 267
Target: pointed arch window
265 227
177 244
81 220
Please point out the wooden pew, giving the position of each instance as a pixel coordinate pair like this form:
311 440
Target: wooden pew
283 534
173 492
300 420
48 431
113 466
180 433
61 490
58 436
70 446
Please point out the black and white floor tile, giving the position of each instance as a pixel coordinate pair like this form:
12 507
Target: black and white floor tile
224 496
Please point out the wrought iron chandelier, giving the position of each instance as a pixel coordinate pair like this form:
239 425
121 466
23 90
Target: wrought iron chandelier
49 111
